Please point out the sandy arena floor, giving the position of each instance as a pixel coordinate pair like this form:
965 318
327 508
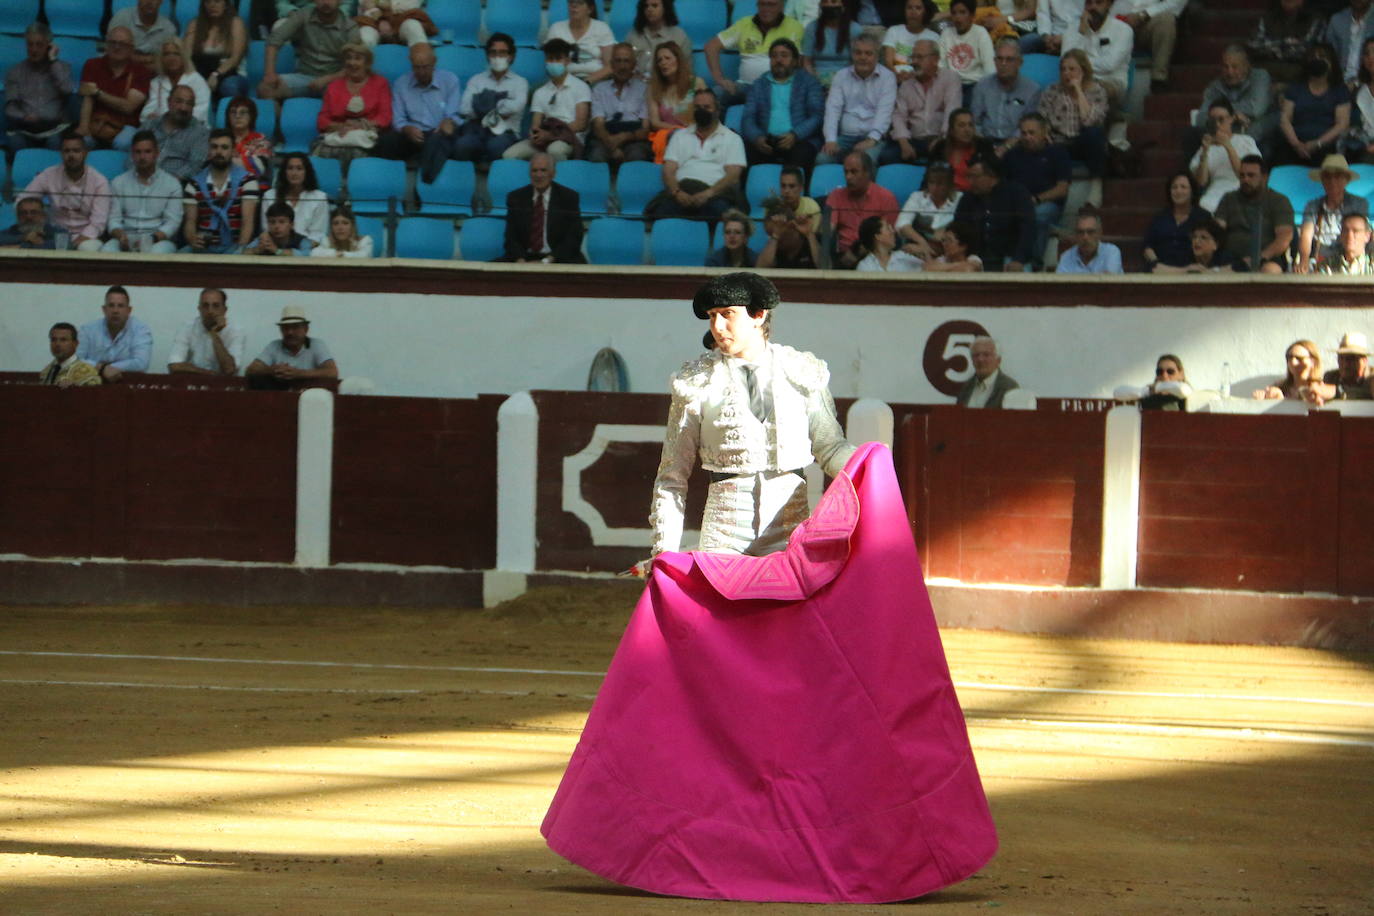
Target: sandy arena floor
198 760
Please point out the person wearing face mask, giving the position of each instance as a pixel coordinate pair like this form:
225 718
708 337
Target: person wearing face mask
702 167
493 105
1314 113
561 110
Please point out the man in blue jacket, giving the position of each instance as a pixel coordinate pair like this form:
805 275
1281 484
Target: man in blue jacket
783 111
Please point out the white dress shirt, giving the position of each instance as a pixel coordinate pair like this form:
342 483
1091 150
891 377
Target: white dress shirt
193 344
982 390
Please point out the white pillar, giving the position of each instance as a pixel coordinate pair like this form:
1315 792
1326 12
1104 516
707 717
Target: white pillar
869 420
314 475
517 462
1121 498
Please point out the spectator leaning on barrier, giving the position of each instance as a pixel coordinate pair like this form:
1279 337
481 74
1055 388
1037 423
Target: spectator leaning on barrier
1352 378
296 357
424 114
343 240
560 110
923 107
80 196
220 203
319 33
1354 257
752 36
701 167
67 370
31 228
1090 255
1002 214
119 342
181 138
860 198
146 209
735 229
620 116
783 111
280 239
113 89
858 110
36 93
543 219
788 246
1303 379
493 105
989 383
1258 220
209 344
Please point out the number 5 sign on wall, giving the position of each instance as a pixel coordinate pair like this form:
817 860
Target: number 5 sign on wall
946 360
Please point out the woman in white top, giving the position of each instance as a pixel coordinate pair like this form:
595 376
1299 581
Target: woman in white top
900 40
929 209
880 239
297 185
1216 164
343 240
655 23
217 41
592 39
965 47
173 72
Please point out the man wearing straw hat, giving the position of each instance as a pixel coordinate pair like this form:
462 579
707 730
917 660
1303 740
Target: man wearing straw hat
296 357
1351 376
1319 235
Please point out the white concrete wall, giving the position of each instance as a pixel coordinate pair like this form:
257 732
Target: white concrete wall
458 346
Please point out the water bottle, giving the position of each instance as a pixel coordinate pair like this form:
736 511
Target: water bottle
1225 380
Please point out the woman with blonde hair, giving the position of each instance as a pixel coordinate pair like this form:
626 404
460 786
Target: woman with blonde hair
1303 380
1076 108
671 89
217 41
343 240
172 72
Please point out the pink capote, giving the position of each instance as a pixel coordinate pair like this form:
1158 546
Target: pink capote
783 727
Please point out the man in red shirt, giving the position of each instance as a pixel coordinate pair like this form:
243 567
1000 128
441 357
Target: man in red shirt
113 90
850 205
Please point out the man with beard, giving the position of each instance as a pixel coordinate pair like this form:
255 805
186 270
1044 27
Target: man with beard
753 36
209 345
181 138
702 167
119 342
296 358
146 209
1107 41
1258 221
783 112
80 195
220 203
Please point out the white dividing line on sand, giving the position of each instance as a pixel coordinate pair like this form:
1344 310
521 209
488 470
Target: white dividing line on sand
1174 731
251 689
961 685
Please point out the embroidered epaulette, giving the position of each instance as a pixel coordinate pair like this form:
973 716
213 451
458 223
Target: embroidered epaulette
805 369
694 374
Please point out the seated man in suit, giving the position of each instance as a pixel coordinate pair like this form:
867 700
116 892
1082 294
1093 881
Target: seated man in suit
543 219
989 383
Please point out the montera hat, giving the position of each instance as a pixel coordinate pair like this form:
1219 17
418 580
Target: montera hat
747 289
293 314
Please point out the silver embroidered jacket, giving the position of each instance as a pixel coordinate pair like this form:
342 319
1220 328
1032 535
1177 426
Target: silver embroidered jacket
710 421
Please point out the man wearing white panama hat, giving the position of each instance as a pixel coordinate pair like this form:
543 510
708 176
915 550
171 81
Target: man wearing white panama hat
296 357
1352 377
1319 235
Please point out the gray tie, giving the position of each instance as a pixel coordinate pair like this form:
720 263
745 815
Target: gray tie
751 384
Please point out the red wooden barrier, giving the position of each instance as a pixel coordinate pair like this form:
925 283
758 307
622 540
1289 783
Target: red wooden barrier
415 481
147 474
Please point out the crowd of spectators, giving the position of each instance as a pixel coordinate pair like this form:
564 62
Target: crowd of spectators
857 84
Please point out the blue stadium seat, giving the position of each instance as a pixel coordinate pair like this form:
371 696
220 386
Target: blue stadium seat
482 238
108 162
451 192
529 63
1293 182
558 10
464 61
741 8
76 51
1041 68
591 181
824 179
459 21
372 182
13 51
15 15
329 174
29 162
734 117
520 19
679 242
761 183
505 176
702 19
168 8
298 128
621 18
257 54
901 179
615 241
7 217
371 226
636 184
1364 185
391 61
74 17
729 66
430 239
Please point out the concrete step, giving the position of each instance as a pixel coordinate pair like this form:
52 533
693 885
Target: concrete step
1168 134
1170 107
1132 192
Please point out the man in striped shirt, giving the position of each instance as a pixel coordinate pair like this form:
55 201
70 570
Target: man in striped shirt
221 202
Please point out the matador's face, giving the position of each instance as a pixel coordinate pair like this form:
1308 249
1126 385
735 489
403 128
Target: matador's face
736 332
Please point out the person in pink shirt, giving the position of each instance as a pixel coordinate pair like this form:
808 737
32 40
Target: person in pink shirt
80 196
850 205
